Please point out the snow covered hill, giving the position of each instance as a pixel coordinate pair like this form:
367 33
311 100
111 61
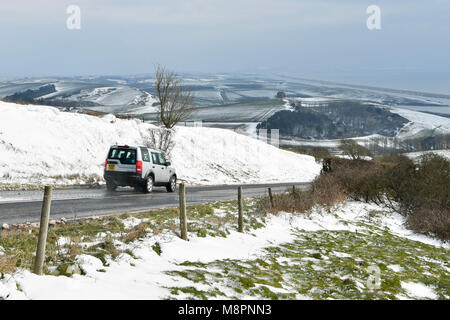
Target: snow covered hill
421 124
40 144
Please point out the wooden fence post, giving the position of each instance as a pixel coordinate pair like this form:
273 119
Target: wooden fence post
183 218
43 230
271 198
240 214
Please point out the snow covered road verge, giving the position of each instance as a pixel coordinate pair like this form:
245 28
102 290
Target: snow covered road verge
41 145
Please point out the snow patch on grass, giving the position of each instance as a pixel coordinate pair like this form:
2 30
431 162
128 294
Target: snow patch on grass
342 254
395 268
419 290
131 222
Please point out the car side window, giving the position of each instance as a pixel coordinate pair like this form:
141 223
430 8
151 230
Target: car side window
145 155
162 160
155 158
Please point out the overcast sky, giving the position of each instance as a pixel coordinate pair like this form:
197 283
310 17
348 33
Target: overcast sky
326 40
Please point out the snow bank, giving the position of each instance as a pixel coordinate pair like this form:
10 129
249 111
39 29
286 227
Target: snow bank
209 155
40 144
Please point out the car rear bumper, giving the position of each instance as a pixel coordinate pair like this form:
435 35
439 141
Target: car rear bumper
123 178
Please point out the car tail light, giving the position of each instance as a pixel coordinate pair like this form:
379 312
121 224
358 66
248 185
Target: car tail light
138 166
106 161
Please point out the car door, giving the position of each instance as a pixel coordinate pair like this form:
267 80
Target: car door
158 169
165 168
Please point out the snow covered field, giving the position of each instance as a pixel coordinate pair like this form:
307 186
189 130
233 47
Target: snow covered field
416 155
217 89
321 255
421 123
40 145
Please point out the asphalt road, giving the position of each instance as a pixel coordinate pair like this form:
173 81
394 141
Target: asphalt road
23 206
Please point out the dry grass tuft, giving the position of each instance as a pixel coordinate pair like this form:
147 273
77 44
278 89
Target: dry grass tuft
136 232
7 264
109 246
75 247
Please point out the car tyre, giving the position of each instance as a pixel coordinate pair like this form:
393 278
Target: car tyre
110 186
148 185
172 185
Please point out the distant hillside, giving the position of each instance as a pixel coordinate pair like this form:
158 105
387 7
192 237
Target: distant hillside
335 120
31 94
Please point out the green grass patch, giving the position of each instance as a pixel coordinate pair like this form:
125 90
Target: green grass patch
325 265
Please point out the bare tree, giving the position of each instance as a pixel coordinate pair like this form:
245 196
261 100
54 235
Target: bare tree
161 139
176 102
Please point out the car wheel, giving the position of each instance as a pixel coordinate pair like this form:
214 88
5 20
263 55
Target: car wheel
148 185
172 185
110 186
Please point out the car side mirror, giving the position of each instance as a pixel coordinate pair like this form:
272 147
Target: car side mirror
168 163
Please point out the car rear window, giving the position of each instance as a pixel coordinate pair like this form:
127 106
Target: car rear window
124 155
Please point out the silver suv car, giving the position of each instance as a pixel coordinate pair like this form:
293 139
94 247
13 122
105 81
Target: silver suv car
138 167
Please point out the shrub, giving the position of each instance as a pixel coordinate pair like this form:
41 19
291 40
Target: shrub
327 191
299 201
412 184
358 179
319 153
432 218
422 190
419 191
390 158
401 184
352 149
433 176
